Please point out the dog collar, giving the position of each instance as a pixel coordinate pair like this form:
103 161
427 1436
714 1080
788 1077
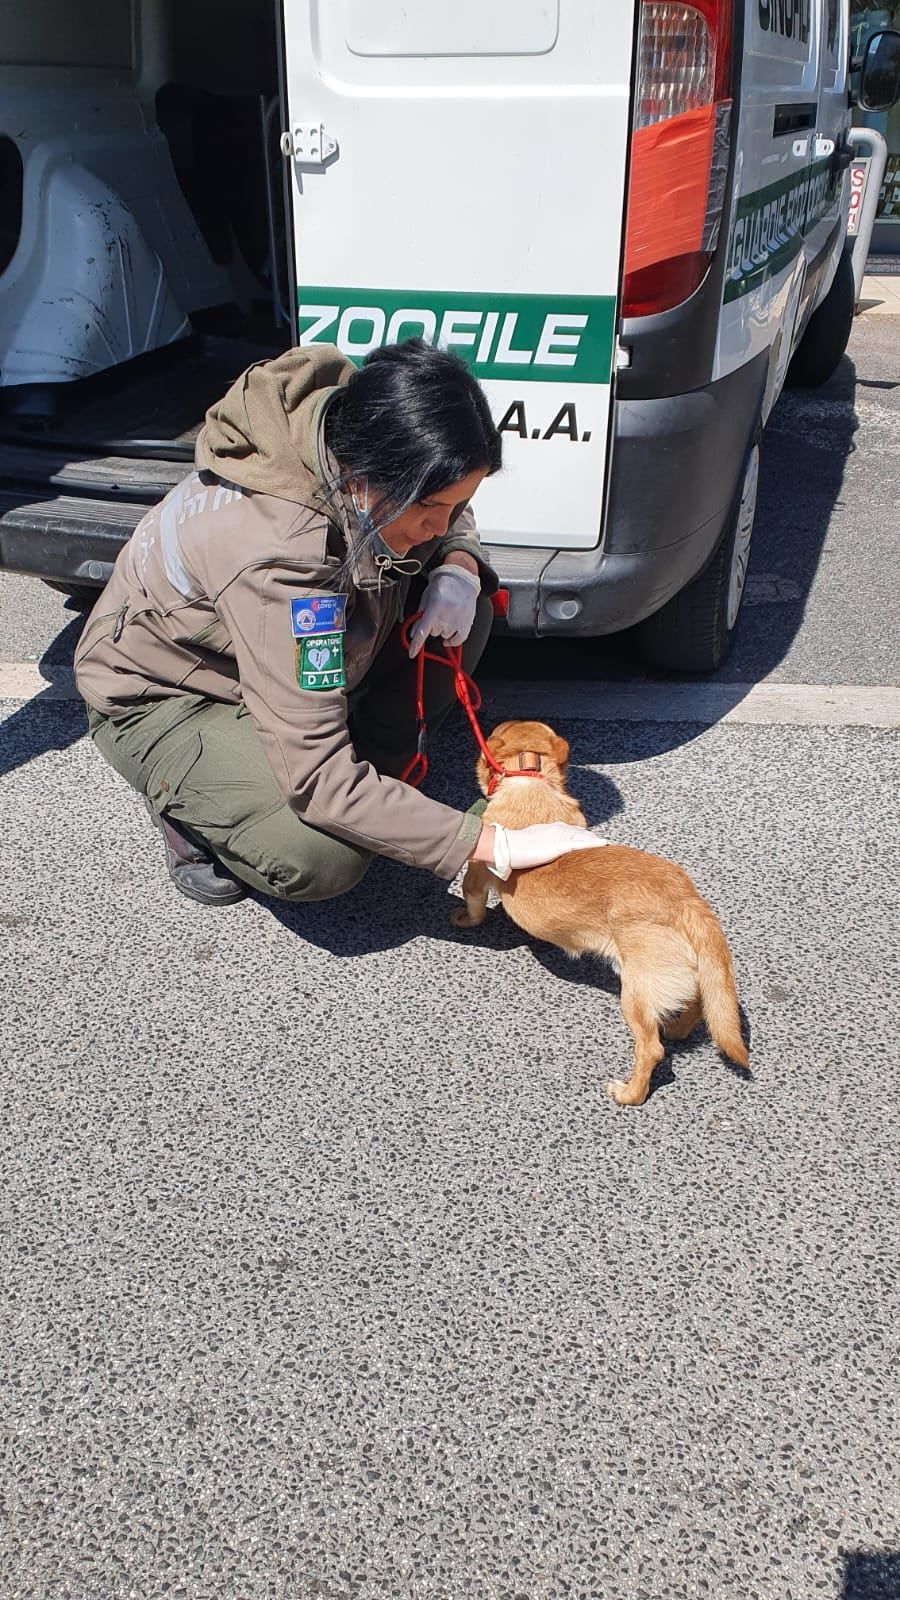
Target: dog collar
521 771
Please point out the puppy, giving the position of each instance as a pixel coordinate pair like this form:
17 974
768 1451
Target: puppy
640 912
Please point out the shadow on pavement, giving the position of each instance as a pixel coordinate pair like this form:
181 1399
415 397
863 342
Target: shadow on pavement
29 732
379 915
871 1575
376 918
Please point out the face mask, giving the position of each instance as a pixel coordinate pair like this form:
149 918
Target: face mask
384 557
380 550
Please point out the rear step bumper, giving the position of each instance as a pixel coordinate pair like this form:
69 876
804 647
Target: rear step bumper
67 539
676 463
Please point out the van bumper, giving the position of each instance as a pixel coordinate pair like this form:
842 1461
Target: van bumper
66 539
676 464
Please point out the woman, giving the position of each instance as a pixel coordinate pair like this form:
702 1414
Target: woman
243 667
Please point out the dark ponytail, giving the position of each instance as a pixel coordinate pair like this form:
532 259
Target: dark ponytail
410 422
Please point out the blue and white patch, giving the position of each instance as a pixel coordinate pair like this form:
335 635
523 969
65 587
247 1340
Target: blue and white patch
320 613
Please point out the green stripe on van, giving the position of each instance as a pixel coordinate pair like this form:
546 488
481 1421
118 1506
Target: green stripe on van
545 338
770 225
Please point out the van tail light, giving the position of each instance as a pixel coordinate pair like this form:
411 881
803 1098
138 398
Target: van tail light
679 151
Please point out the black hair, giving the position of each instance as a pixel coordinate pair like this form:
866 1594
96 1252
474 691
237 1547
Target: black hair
411 421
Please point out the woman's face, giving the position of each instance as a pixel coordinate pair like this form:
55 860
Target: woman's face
427 519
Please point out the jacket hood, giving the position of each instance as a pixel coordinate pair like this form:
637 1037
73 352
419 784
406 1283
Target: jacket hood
264 433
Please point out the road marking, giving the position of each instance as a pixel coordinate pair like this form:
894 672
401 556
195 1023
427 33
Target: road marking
802 705
25 680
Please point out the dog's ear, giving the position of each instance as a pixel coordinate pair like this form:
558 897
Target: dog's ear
504 740
560 751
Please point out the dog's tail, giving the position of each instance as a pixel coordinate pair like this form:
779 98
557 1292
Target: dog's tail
718 991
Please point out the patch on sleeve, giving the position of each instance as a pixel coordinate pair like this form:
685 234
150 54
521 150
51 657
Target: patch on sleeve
320 613
320 662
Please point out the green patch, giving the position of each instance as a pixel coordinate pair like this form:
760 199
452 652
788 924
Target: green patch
771 224
320 662
538 337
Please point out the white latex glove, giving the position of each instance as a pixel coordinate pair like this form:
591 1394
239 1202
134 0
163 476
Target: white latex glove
448 607
516 849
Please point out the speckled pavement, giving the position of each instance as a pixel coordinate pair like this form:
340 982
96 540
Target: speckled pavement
328 1269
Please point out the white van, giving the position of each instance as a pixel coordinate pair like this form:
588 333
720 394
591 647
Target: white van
629 219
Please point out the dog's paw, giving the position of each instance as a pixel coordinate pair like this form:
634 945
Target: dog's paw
461 919
620 1090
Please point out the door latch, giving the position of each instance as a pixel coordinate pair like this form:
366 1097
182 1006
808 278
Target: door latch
308 143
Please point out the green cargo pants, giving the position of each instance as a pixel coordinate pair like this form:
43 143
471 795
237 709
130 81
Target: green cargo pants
200 762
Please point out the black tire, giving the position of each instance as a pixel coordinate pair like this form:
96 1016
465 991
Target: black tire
83 594
695 630
827 333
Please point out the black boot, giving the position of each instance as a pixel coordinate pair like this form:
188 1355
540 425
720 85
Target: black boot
192 866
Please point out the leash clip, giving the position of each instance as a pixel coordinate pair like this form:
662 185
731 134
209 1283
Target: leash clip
467 693
416 770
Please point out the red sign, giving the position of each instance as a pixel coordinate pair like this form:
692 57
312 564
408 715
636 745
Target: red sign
859 172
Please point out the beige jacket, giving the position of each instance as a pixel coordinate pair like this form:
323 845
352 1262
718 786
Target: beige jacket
200 599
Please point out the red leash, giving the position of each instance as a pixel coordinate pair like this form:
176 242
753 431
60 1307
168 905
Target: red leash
469 696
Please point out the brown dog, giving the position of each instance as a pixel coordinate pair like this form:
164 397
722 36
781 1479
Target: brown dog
640 912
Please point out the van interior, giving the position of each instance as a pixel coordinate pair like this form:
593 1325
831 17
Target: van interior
143 243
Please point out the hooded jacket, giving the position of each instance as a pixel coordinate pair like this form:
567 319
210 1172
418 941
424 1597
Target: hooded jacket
220 590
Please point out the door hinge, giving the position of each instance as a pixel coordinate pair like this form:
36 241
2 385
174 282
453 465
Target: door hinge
308 143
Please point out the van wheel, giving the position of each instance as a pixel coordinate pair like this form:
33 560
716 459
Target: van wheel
694 631
827 332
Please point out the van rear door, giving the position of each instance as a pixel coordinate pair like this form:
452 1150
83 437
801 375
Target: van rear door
459 174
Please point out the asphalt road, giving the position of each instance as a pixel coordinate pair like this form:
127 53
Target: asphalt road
329 1270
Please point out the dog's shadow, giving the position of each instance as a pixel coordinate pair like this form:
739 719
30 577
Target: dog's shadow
597 795
376 918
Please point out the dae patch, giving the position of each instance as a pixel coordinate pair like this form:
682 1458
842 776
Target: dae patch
320 662
320 613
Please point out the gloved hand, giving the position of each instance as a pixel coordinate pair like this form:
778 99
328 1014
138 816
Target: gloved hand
448 607
516 849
